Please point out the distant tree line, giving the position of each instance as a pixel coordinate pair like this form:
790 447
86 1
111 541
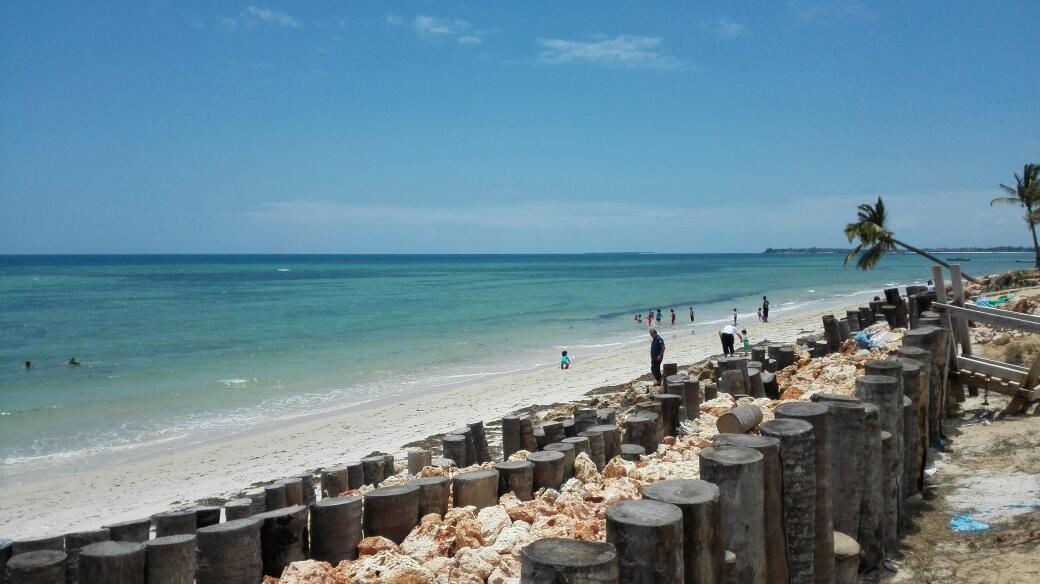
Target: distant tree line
845 250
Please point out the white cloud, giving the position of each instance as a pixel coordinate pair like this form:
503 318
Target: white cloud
822 10
622 51
255 16
271 16
435 27
722 28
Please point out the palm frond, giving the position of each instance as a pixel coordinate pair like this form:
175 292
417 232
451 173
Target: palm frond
852 253
1015 201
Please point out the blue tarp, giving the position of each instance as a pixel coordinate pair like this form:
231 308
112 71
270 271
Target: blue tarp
966 524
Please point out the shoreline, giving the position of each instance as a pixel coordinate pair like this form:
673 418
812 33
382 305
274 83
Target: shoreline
152 483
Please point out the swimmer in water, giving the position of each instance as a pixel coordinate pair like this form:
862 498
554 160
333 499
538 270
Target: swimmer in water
73 362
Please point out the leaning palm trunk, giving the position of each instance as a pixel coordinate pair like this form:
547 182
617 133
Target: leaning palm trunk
922 252
1032 229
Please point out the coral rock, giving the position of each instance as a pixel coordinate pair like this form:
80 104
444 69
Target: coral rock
371 546
307 572
492 520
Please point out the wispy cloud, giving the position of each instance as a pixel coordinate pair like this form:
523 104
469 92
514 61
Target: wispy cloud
435 27
722 28
824 10
622 51
255 16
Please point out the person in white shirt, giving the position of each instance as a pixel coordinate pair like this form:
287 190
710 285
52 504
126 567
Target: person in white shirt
727 335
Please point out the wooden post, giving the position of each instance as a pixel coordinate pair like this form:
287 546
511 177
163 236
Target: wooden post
738 472
112 562
611 439
830 333
818 416
581 444
568 452
477 488
480 441
229 553
669 413
37 567
648 536
136 530
756 382
584 419
847 464
871 535
919 395
418 460
391 512
206 516
890 492
888 397
282 538
703 546
596 446
772 502
798 460
170 560
174 522
910 442
632 452
434 493
517 477
274 498
238 509
510 435
548 469
960 325
74 542
336 529
641 429
453 446
334 481
933 340
554 560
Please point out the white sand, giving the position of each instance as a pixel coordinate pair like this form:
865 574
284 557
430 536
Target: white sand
53 505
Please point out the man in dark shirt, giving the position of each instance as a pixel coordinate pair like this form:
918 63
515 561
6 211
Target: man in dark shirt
765 309
656 354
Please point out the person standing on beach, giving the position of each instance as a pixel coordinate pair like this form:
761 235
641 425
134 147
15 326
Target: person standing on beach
656 354
734 317
565 361
747 341
765 309
691 314
673 316
650 318
726 334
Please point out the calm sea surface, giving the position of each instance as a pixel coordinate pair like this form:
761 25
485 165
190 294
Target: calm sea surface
180 349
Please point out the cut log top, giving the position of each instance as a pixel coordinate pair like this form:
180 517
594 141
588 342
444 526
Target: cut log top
875 384
35 559
801 409
284 511
786 427
834 397
561 447
476 475
341 501
170 540
645 513
731 455
545 456
110 549
746 440
229 526
395 491
916 353
889 367
682 492
910 365
572 553
508 465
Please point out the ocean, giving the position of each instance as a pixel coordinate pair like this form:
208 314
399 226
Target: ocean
179 350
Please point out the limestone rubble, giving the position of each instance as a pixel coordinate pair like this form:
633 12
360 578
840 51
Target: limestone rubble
466 546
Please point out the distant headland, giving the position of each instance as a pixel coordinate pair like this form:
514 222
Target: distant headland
807 250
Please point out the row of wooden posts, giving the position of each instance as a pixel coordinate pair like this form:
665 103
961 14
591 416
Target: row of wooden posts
764 509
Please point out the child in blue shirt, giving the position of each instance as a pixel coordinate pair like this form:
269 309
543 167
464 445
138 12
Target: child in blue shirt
565 361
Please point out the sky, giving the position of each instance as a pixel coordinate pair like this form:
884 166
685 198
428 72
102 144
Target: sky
509 127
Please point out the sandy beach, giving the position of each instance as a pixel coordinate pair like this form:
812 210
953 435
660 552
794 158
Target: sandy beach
135 489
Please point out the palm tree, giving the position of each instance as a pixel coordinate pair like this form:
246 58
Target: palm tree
875 240
1025 194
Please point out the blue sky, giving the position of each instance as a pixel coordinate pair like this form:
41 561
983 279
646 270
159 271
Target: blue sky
256 126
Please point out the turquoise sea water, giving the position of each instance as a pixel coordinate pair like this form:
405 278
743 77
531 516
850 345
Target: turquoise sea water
180 349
